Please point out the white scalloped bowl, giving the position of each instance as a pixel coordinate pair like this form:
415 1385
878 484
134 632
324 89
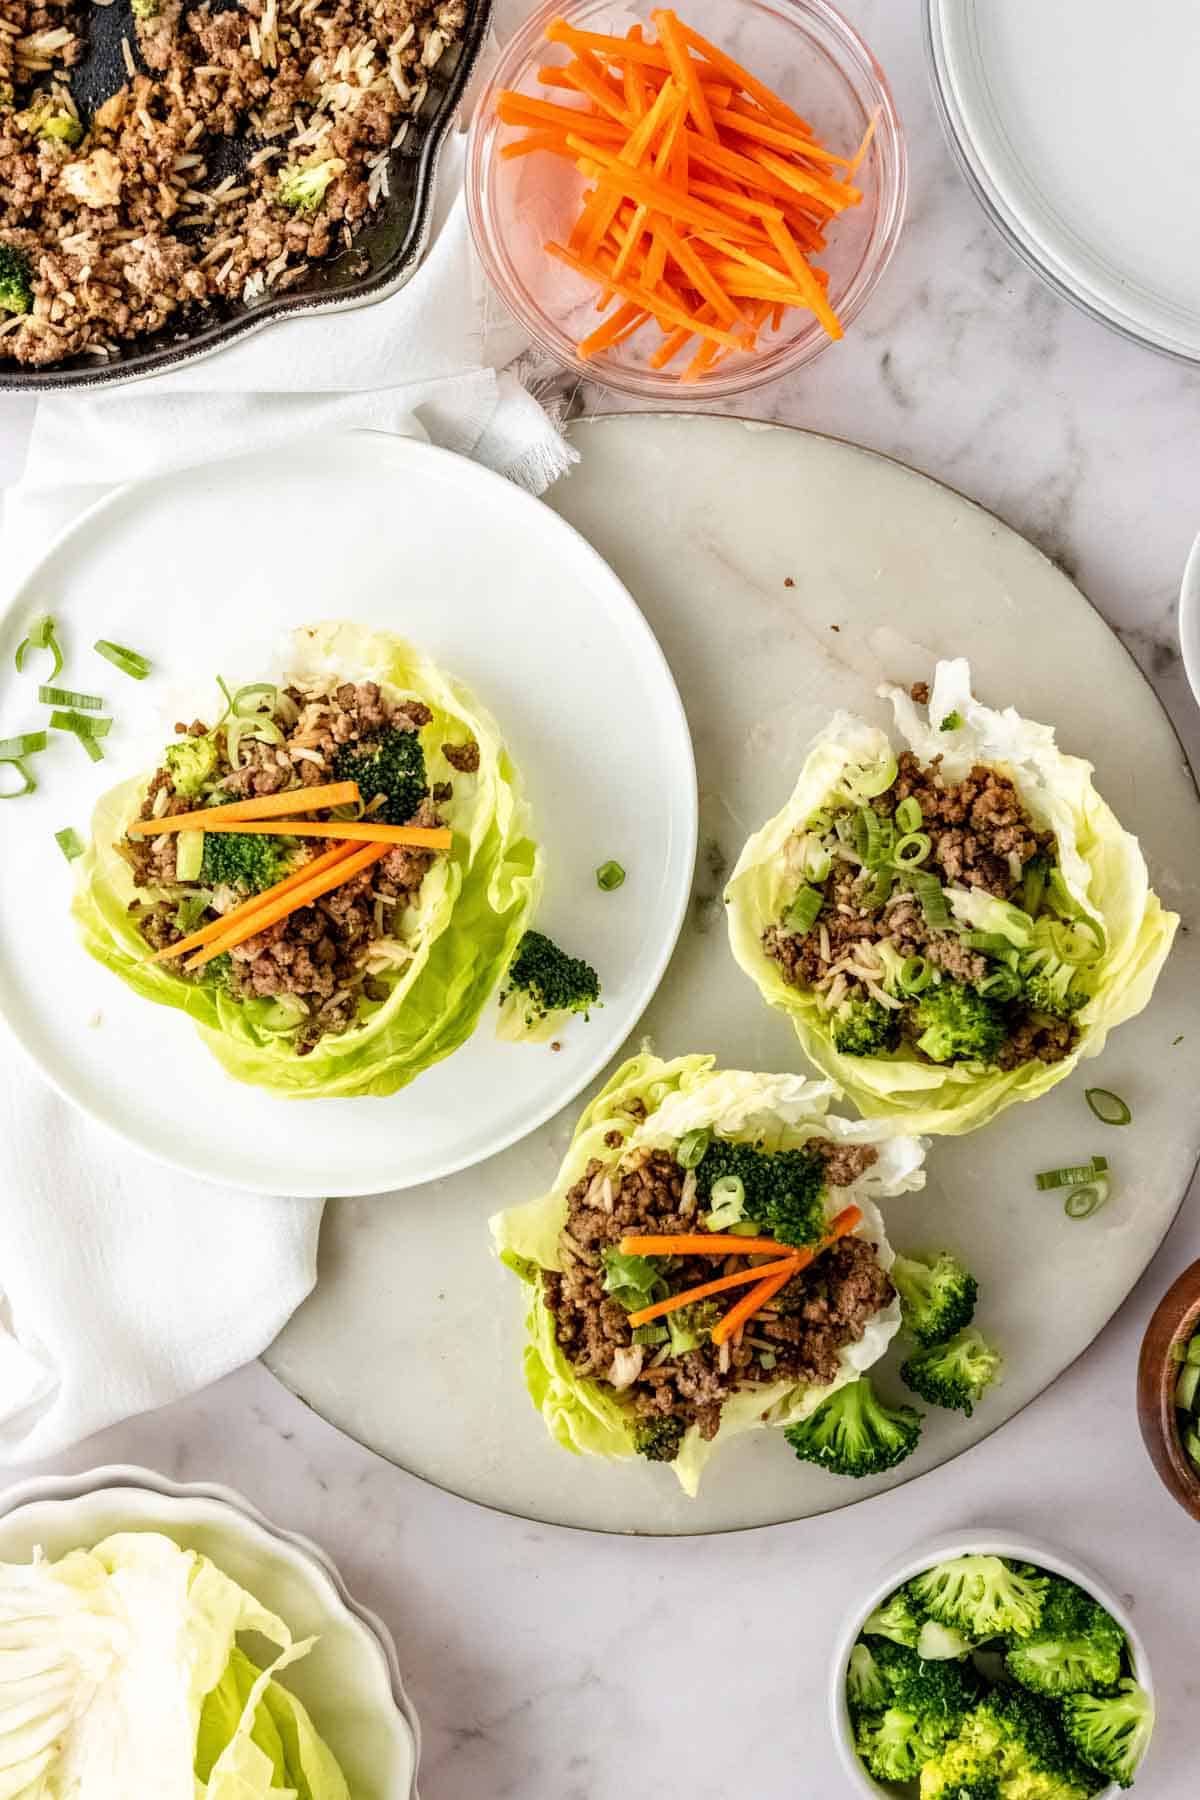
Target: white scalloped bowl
350 1682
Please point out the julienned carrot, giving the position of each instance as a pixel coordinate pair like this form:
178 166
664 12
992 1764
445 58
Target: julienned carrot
787 1267
742 78
263 806
706 1243
684 70
839 1226
602 273
276 909
623 323
206 933
537 140
357 831
517 109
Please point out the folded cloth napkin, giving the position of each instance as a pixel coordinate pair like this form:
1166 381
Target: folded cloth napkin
124 1285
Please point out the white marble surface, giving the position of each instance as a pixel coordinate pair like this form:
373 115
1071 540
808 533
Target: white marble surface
551 1666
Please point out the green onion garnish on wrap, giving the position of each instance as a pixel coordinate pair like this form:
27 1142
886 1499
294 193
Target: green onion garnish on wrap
952 924
680 1173
377 979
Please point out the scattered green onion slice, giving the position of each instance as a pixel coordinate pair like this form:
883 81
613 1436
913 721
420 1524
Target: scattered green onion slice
609 875
40 637
881 886
928 890
80 723
801 915
869 836
189 855
28 744
916 972
1001 984
867 782
30 784
1076 1175
692 1146
817 860
130 662
994 942
69 842
909 816
820 823
844 825
912 850
1033 886
1108 1107
1082 1202
255 697
650 1334
727 1190
951 722
53 696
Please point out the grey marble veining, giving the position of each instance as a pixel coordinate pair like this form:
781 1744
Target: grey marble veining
552 1666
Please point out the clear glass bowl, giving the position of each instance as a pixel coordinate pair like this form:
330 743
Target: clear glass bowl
810 55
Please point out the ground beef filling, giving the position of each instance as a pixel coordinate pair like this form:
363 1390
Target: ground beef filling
980 837
321 954
167 206
797 1338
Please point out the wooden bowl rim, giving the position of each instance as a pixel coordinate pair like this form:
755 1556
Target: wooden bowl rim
1180 1309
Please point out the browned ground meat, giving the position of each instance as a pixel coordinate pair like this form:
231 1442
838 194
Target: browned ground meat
919 692
826 1307
151 220
463 757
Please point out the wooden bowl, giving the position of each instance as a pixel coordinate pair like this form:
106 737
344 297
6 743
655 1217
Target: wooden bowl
1175 1320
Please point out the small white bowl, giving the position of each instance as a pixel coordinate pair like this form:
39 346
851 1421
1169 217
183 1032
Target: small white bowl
350 1682
1189 618
980 1540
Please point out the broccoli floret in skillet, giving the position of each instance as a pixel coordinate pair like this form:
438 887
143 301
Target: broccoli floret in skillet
16 284
52 120
954 1023
855 1433
390 766
865 1028
303 190
937 1296
955 1374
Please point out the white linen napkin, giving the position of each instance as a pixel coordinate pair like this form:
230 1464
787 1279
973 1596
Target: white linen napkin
124 1285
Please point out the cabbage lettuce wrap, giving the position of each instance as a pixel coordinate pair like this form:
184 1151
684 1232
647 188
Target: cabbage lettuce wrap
953 925
680 1173
121 1675
381 976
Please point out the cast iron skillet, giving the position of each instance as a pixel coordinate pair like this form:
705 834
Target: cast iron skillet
386 251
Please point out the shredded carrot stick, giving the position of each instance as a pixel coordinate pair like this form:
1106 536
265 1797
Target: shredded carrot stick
804 277
522 109
706 1243
840 1226
652 302
684 70
742 78
303 894
415 837
701 278
623 323
633 80
206 933
263 806
787 1267
585 75
703 360
537 140
856 161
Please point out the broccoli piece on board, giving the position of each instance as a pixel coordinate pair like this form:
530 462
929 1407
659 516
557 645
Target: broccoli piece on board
543 987
937 1295
855 1433
955 1374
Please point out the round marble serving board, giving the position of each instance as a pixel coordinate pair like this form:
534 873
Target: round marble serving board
785 575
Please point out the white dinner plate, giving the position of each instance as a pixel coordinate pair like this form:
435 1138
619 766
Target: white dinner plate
1075 122
349 1682
206 572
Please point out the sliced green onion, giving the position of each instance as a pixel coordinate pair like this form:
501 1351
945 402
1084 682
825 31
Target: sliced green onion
130 662
1033 886
69 842
868 836
52 696
801 915
916 972
260 728
994 942
256 692
820 823
189 855
80 723
817 861
1108 1107
692 1146
650 1334
727 1190
1072 1176
1001 984
951 722
912 850
882 883
609 875
28 744
40 636
844 826
1064 900
1082 1202
928 890
13 762
767 1359
868 781
909 816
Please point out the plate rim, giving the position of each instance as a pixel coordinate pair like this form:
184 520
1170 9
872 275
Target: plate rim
115 1477
393 444
851 1500
997 210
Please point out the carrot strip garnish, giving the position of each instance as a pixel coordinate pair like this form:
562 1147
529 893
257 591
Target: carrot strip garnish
743 79
633 81
684 70
537 140
584 75
703 360
701 278
652 302
836 195
623 323
280 907
706 1243
804 278
839 1226
263 806
218 927
416 837
787 1267
741 115
522 109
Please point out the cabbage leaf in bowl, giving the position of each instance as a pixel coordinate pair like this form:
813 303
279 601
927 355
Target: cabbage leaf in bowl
446 952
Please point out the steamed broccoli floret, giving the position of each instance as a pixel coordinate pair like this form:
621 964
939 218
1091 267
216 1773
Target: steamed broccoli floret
544 986
954 1374
146 9
1110 1732
658 1440
937 1297
865 1028
897 1619
219 971
1014 1741
51 120
895 1744
941 1643
855 1433
866 1689
688 1326
16 284
391 765
1077 1645
930 1690
303 190
984 1596
1046 985
784 1189
189 761
954 1023
249 863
